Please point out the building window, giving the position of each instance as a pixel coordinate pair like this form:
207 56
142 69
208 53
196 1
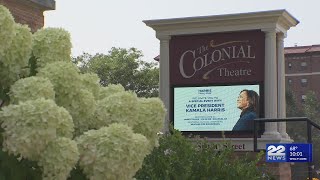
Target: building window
303 66
304 82
303 98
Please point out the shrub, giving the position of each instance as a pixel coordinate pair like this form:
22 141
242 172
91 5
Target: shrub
54 119
178 158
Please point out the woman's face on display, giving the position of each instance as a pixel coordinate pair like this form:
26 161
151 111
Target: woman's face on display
242 101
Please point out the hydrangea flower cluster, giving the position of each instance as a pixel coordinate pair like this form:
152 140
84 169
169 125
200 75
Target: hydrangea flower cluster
31 125
121 107
107 150
31 88
70 93
91 83
51 45
109 90
58 165
61 118
7 31
18 53
64 76
153 110
15 48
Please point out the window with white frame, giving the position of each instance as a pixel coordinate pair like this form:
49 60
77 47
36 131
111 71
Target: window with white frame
303 66
304 82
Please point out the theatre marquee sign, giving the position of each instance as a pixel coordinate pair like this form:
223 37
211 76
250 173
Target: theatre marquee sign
234 57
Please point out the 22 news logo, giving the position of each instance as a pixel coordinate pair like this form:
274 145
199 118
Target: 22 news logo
276 153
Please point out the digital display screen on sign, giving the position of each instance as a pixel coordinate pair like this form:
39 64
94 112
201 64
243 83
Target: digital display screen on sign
215 108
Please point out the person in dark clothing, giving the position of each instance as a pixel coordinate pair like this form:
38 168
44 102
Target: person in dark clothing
248 102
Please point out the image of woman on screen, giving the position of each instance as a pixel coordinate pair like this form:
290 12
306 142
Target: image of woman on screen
248 102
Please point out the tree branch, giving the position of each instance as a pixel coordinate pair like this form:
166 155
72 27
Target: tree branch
1 103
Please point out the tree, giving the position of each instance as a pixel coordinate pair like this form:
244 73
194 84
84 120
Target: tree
53 118
297 134
311 107
312 111
292 109
125 67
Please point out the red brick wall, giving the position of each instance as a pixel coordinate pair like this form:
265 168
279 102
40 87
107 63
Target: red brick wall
26 12
312 61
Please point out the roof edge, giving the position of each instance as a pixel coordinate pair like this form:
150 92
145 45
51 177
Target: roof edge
290 15
315 48
170 21
306 46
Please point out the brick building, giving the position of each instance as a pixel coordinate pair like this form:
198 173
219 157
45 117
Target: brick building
29 12
303 70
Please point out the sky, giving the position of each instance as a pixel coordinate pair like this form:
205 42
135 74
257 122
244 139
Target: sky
98 25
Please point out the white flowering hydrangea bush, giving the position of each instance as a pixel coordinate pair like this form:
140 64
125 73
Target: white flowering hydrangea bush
82 109
70 93
7 31
110 90
51 45
60 119
113 153
91 83
121 107
31 88
65 78
19 51
14 59
31 125
58 165
153 110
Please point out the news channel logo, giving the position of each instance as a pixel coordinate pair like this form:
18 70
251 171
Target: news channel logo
276 153
289 152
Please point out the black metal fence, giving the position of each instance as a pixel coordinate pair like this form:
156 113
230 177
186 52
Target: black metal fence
301 130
